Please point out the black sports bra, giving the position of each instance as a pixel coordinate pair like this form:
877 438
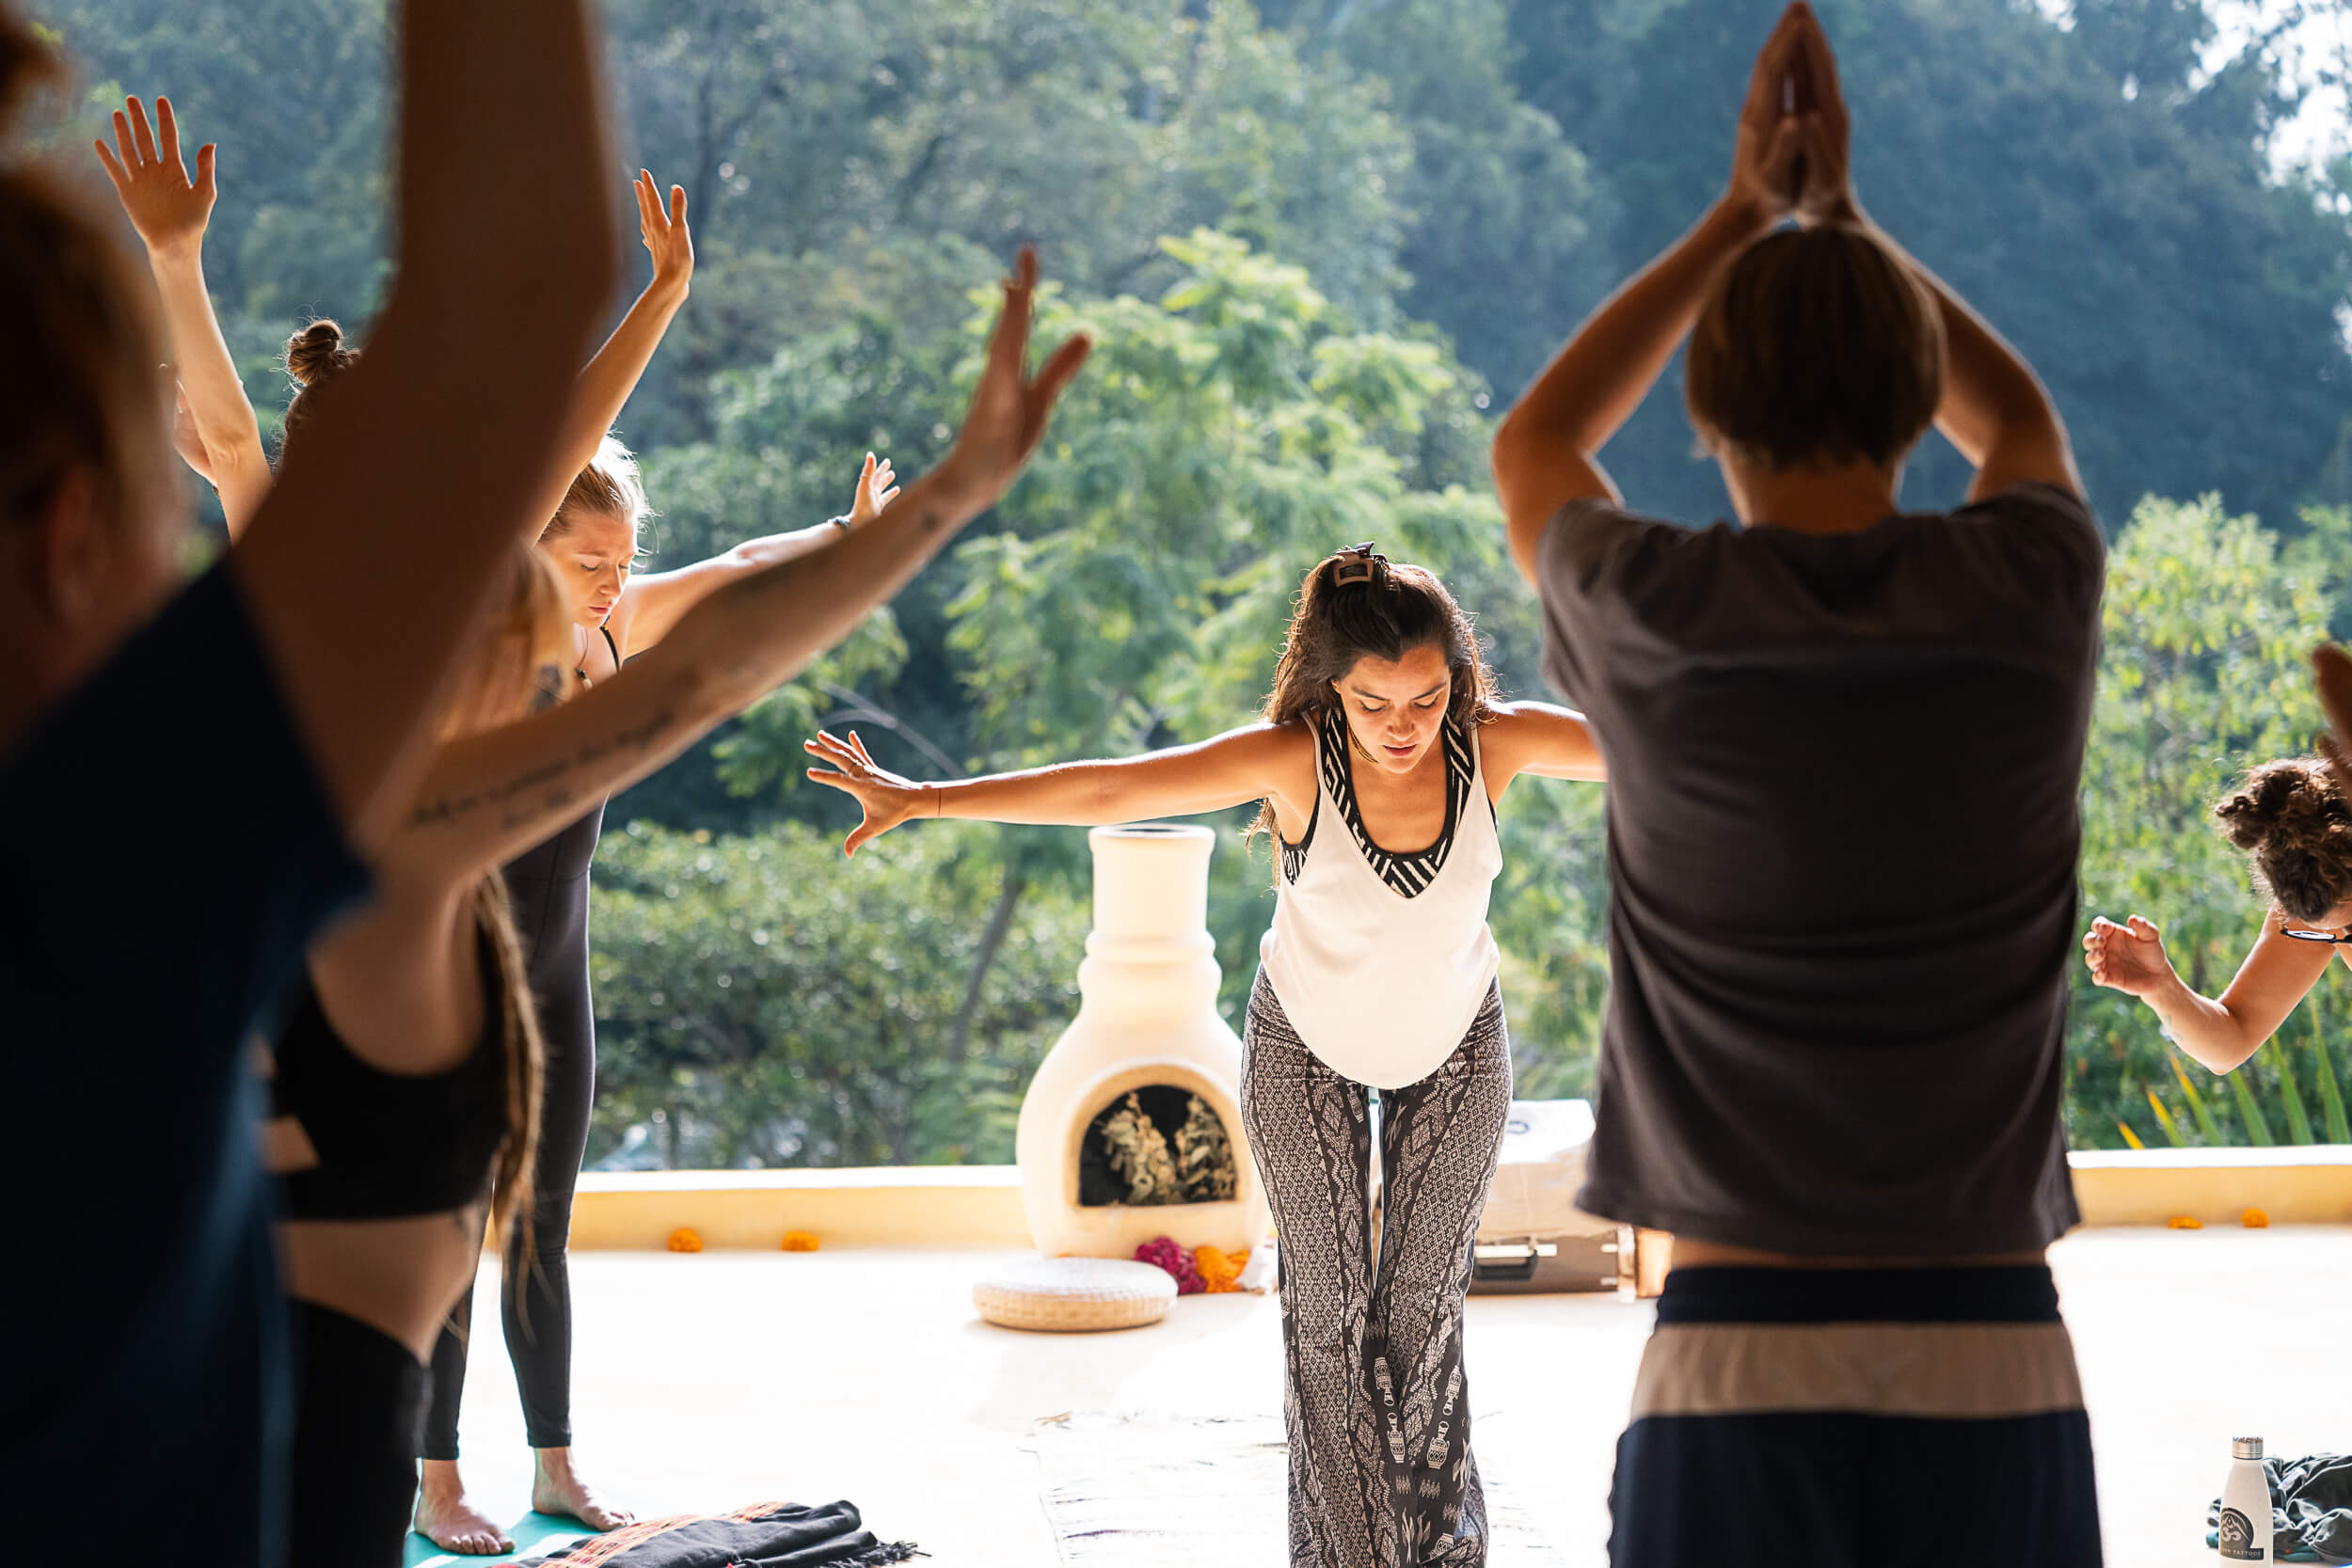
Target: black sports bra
389 1145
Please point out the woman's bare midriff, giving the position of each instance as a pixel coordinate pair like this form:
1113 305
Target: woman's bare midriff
399 1276
1690 1251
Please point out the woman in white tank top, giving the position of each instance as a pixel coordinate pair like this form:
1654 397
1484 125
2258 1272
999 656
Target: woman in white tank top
1378 973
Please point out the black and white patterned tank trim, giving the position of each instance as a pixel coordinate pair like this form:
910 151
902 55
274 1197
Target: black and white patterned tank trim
1406 874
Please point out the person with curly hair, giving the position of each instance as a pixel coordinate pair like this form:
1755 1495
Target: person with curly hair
2293 822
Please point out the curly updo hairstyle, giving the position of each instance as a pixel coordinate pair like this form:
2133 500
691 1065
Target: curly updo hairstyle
315 357
2295 825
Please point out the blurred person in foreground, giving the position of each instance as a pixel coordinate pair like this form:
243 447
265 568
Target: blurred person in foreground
1844 744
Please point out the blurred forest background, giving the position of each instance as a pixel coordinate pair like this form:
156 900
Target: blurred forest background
1321 243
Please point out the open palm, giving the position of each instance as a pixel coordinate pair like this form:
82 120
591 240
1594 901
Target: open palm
168 208
877 487
668 241
886 799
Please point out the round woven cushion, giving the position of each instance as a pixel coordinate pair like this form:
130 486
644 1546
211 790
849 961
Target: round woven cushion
1074 1294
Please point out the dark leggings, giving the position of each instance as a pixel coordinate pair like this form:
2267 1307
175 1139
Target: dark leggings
536 1302
359 1393
549 886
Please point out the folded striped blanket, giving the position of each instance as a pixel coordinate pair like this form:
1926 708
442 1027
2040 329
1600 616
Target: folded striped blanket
758 1535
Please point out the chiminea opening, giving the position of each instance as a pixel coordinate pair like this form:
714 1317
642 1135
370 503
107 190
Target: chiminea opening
1160 1144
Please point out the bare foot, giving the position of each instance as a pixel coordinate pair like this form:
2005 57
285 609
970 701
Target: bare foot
557 1489
446 1519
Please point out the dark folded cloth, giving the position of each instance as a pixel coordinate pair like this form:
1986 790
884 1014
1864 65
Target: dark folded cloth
2311 1508
761 1535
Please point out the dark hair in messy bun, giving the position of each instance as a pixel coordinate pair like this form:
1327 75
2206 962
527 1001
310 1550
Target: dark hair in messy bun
1352 607
315 357
2291 818
78 389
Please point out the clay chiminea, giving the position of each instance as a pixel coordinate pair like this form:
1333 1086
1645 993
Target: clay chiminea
1131 1127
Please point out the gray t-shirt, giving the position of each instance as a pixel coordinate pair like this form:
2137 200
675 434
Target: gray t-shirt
1844 778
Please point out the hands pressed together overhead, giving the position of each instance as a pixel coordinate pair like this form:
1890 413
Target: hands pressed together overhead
1789 153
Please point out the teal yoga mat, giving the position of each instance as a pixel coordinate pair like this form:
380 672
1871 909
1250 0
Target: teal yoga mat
533 1533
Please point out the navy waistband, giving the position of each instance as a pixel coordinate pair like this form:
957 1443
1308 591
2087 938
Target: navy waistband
2018 1293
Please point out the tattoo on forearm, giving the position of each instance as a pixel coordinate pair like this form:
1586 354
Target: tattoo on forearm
551 787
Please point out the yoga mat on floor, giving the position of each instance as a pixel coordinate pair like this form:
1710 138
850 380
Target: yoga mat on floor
1142 1491
534 1534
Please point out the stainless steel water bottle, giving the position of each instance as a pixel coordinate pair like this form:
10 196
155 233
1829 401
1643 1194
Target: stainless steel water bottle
2245 1525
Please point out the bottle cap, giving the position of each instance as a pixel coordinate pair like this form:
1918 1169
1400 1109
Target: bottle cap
2246 1448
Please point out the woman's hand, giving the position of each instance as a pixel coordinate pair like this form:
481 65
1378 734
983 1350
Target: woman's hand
166 208
1773 126
2128 957
877 487
886 799
1010 408
668 241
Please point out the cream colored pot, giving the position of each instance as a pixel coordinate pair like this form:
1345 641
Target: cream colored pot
1147 1015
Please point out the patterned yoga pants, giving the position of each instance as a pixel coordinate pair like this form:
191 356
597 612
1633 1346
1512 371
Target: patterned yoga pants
1372 1397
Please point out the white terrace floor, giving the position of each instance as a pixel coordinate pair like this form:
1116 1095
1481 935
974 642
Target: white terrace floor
711 1380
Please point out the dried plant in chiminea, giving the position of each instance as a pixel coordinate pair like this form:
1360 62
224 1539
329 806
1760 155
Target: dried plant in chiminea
1204 1156
1138 1152
1157 1145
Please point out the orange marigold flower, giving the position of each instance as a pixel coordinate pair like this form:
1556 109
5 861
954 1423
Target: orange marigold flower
2186 1222
2254 1219
798 1241
684 1240
1219 1273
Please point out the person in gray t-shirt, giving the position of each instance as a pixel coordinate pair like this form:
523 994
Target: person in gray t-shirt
1845 750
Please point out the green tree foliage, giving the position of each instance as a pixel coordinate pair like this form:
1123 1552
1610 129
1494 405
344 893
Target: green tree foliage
2202 675
761 1003
1319 242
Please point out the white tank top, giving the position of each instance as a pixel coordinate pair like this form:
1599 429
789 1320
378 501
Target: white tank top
1382 961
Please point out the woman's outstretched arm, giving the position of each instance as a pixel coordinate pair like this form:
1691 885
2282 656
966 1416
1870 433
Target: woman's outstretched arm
1264 760
491 795
2219 1033
421 467
1547 452
1548 741
651 605
171 213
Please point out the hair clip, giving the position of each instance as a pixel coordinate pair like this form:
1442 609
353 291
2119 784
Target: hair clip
1362 563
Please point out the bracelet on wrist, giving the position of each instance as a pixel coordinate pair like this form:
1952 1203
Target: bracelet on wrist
842 522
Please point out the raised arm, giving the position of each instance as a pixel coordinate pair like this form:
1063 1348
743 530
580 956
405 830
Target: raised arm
651 605
2219 1033
493 794
1253 764
1994 409
1548 741
1547 451
171 213
419 466
609 378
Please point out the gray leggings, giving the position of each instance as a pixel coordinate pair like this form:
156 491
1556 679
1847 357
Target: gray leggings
1378 1418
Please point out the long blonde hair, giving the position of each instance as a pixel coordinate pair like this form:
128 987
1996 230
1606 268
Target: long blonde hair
533 626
